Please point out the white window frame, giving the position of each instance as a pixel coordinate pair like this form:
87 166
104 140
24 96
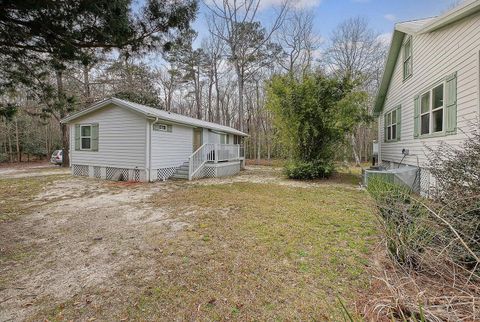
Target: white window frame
85 137
407 58
432 110
390 124
160 127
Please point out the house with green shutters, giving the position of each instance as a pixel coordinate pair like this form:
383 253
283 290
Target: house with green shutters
429 92
115 139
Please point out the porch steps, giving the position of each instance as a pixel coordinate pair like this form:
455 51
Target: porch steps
182 172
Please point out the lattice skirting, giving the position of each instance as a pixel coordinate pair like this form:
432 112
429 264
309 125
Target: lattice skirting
165 173
97 172
209 172
80 170
220 170
109 173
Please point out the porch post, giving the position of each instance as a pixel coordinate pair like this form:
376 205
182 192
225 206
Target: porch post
216 152
238 148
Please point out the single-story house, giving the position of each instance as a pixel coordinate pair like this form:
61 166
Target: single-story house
429 92
120 140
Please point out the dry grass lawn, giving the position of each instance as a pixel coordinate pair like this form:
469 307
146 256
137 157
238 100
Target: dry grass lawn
253 247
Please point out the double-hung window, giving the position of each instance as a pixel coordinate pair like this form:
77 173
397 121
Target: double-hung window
407 58
85 137
435 110
432 111
392 125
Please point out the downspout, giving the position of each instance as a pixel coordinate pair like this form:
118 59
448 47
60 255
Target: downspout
150 127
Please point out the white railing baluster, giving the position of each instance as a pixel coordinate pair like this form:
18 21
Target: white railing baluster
212 152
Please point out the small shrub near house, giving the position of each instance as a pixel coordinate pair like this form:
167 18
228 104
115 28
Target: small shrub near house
435 242
304 170
406 227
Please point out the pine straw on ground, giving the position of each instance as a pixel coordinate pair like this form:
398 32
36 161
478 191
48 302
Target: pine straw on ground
401 295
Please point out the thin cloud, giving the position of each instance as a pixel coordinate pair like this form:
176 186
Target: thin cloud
385 38
390 17
296 4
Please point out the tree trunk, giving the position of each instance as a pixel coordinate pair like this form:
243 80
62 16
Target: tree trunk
259 121
198 102
240 81
63 126
10 153
86 84
47 148
169 96
209 100
17 141
355 154
217 91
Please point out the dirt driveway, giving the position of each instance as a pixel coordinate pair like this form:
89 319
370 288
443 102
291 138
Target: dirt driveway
33 169
89 247
80 234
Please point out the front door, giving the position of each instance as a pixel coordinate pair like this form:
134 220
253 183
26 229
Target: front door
197 138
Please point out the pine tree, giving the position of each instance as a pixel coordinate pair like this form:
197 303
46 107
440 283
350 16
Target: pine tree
38 37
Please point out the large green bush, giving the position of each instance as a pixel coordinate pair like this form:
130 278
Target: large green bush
312 117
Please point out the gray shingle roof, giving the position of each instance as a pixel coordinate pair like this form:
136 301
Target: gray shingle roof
155 113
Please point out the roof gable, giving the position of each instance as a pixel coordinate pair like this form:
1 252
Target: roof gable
151 112
416 27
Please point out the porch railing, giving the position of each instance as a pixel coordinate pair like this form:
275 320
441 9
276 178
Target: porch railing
213 152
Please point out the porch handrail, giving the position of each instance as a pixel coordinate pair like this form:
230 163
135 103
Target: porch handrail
228 152
198 158
212 152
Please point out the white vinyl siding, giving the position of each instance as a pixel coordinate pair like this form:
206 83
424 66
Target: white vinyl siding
407 58
436 56
171 148
121 139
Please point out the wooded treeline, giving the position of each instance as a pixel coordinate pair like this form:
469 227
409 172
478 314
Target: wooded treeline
161 62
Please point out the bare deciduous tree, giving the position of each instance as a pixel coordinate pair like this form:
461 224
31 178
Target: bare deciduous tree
298 40
248 44
355 52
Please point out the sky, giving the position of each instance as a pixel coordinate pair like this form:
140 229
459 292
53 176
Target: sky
381 14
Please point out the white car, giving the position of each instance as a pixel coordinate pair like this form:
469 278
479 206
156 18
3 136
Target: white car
57 157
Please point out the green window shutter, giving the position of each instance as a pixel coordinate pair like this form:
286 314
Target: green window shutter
77 137
451 106
95 137
416 116
385 128
399 122
169 128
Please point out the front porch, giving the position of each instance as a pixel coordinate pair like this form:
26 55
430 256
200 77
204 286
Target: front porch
212 160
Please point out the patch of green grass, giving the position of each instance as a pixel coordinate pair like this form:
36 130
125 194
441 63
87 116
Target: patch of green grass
15 193
261 252
15 254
